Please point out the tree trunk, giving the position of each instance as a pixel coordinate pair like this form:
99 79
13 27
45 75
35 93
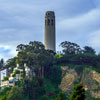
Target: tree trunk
42 72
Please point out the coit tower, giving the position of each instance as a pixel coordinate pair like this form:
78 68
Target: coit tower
50 36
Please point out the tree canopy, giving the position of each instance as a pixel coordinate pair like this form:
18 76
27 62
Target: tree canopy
15 94
70 48
78 92
89 50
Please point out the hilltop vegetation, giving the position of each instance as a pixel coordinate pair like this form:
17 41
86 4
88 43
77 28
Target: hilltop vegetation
47 66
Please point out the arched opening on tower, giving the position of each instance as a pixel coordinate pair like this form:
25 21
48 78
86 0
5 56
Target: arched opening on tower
48 22
52 22
48 14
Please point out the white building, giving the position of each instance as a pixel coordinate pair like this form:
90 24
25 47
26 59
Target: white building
16 75
27 71
4 72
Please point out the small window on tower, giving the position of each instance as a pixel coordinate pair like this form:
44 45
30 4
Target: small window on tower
48 22
52 22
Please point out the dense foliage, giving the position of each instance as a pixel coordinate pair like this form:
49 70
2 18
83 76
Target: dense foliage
61 96
78 92
45 65
33 88
15 94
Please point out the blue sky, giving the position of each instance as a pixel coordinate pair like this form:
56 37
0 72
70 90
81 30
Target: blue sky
22 21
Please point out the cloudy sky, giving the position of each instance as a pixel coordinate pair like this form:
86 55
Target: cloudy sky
22 21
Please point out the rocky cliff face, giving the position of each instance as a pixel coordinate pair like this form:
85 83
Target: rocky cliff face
89 78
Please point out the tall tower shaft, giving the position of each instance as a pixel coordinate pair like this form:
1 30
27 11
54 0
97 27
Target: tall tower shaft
50 36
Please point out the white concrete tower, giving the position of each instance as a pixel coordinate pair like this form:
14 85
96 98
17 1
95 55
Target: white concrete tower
50 34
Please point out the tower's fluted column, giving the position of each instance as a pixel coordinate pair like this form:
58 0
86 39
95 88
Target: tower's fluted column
50 36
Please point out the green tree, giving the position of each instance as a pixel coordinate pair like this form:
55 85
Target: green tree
3 98
45 97
35 55
89 50
33 88
11 63
6 78
61 96
78 92
15 94
21 47
5 90
17 72
54 74
70 48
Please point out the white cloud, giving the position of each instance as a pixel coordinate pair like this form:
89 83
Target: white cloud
7 54
94 40
22 21
83 23
78 29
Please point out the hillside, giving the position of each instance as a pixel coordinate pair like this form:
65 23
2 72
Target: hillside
89 77
53 75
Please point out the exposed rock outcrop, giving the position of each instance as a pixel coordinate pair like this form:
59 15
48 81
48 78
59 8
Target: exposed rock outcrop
90 79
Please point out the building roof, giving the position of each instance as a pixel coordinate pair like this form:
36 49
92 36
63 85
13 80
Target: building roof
18 67
3 68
